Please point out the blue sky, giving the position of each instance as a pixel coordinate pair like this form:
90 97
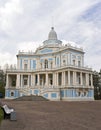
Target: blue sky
25 24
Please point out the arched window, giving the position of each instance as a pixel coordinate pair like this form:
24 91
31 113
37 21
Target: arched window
46 64
12 94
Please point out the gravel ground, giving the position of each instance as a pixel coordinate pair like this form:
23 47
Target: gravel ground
47 115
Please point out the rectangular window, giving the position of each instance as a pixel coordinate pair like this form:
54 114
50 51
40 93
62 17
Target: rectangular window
62 93
25 66
34 64
58 61
73 62
79 63
21 64
25 81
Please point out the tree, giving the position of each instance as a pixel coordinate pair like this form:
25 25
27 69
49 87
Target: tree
2 82
97 85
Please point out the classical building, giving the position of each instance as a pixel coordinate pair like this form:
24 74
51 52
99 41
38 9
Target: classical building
54 71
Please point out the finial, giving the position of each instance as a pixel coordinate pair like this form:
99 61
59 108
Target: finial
52 28
52 21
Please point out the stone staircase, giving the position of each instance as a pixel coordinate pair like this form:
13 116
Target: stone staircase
31 98
25 91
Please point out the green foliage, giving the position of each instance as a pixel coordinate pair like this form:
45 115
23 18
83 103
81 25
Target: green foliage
1 114
2 83
97 85
2 90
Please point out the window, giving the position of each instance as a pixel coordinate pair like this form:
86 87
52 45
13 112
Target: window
12 94
64 62
73 62
79 80
79 63
79 57
84 93
79 93
25 81
51 64
25 66
41 65
46 64
55 60
13 82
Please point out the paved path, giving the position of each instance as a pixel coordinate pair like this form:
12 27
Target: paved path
42 115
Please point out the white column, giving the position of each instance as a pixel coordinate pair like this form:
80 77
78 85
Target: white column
62 78
81 78
32 80
91 80
57 80
54 79
22 80
47 79
18 81
68 77
28 80
74 78
87 79
38 83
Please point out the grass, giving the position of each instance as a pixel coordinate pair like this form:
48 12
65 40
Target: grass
1 114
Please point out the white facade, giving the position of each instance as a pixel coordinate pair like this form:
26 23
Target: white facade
54 71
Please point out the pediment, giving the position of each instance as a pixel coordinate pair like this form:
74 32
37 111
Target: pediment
45 50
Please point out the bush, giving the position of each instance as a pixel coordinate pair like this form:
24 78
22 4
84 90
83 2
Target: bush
2 91
1 114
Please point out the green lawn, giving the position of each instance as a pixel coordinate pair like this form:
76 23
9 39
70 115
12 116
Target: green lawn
1 114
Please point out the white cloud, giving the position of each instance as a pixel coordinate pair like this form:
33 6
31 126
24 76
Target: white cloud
22 22
28 46
7 14
7 58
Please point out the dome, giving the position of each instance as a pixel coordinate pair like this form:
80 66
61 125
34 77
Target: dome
52 38
52 34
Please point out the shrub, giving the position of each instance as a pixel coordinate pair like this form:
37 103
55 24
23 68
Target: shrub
1 114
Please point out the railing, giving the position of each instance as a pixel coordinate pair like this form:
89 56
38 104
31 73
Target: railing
49 69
